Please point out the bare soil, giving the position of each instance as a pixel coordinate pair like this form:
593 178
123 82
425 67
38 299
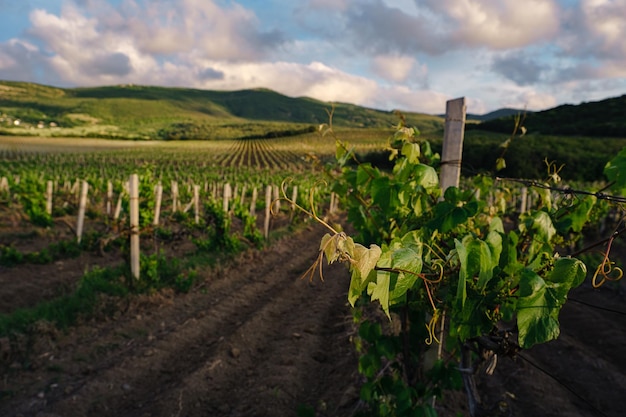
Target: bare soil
254 339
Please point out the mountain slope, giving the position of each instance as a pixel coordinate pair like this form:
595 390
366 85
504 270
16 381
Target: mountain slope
605 118
180 113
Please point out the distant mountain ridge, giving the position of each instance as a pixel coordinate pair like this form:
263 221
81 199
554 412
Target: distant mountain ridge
151 112
496 114
154 112
604 118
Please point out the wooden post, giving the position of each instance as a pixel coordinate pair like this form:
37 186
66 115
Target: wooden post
226 198
4 184
268 210
174 192
196 203
451 159
276 193
158 191
75 189
118 207
255 195
109 200
49 192
452 151
333 201
523 200
235 190
242 198
134 225
294 199
81 210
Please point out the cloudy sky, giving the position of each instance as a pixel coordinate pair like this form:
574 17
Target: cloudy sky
387 54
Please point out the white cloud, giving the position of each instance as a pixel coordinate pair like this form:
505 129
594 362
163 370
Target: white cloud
499 24
379 53
529 99
605 28
398 68
229 33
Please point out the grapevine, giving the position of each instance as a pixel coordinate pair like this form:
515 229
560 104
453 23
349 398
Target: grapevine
458 272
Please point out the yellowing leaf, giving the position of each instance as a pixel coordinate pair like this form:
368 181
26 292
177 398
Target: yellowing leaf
329 247
379 290
365 259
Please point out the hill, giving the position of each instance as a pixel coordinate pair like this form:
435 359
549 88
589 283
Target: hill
148 112
496 114
605 118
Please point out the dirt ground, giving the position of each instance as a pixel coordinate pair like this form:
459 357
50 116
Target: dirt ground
256 340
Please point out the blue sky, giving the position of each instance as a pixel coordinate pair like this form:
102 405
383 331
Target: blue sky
411 55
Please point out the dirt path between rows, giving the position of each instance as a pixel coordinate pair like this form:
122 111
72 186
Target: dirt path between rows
256 340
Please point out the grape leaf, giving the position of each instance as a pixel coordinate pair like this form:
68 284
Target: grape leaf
615 171
379 290
541 300
364 260
411 151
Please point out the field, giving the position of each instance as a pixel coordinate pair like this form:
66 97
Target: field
226 329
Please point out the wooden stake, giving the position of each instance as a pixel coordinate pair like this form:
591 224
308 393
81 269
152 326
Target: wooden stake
109 200
268 211
196 203
253 202
452 151
276 199
134 226
524 200
81 210
49 192
227 196
158 191
242 198
174 196
294 198
451 159
4 184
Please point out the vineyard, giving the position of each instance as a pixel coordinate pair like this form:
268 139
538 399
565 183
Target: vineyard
62 203
217 320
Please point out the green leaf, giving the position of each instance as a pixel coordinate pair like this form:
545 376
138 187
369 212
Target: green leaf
381 192
379 290
496 225
537 311
540 300
329 245
407 259
477 258
482 261
412 152
365 259
568 273
575 217
615 171
494 240
546 197
500 164
426 176
364 173
461 290
358 284
541 224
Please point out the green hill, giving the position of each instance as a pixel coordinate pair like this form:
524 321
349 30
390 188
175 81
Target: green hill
146 112
496 114
605 118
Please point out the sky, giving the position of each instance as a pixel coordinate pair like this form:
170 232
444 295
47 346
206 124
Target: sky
411 55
